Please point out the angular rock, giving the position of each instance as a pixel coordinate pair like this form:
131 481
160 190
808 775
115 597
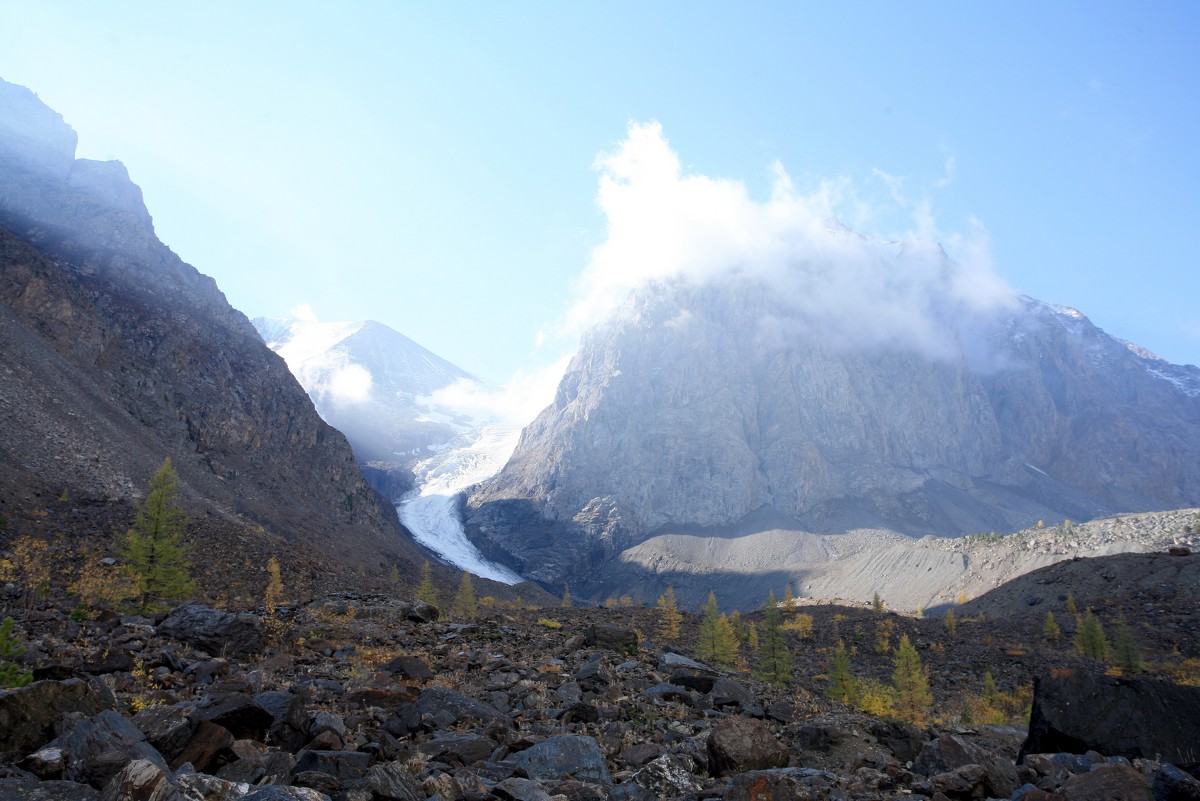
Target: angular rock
727 692
219 633
514 789
557 757
966 782
211 743
391 781
1108 782
408 667
168 728
739 744
98 748
277 793
1172 784
781 784
461 748
342 765
241 715
423 612
454 707
28 714
142 780
1075 710
611 638
668 776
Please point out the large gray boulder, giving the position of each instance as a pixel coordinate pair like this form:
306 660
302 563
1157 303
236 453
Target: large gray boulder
28 714
1076 711
219 633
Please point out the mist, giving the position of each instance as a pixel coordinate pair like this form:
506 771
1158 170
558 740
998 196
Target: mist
897 290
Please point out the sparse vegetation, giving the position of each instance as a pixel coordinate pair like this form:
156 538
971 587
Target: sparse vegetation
11 674
910 680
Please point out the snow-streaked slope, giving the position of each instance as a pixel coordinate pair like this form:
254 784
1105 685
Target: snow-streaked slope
373 384
388 395
431 511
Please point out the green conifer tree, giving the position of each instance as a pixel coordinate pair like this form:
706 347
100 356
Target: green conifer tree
464 606
910 680
425 590
669 616
717 644
774 658
1090 640
842 686
154 547
11 674
989 686
1050 629
1125 651
951 621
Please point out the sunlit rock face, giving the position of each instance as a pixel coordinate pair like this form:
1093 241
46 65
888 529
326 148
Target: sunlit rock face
719 408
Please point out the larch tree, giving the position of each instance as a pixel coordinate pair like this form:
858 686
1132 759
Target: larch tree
718 643
669 616
774 658
910 680
842 686
425 590
154 547
465 606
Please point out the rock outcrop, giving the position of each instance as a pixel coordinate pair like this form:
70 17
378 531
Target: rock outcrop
713 410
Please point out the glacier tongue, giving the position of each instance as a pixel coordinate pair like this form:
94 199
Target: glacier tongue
431 512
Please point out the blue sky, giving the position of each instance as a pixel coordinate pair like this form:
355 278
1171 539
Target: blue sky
434 165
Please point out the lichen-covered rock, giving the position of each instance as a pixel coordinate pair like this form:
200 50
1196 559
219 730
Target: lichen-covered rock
738 744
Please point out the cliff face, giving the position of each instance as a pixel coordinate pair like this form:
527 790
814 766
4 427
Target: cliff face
692 411
117 353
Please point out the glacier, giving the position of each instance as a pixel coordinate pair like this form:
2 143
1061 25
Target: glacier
430 512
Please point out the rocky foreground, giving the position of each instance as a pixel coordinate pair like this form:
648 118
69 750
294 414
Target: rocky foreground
370 698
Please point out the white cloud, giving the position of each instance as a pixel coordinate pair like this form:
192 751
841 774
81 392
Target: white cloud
349 384
517 402
665 223
304 312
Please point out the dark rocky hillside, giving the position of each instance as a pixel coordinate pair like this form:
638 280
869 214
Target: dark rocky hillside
116 354
360 697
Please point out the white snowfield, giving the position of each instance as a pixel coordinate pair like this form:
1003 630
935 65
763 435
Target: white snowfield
431 512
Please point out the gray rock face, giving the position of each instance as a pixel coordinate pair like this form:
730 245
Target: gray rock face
691 413
116 353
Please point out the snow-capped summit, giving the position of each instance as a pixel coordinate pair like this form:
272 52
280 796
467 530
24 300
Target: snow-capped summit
375 385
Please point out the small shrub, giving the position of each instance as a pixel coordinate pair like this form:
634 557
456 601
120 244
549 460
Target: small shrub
801 624
11 674
548 623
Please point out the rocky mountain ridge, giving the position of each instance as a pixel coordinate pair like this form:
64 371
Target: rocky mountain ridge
375 385
713 411
117 354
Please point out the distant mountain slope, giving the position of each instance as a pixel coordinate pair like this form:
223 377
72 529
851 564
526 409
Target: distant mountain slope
719 409
371 383
116 354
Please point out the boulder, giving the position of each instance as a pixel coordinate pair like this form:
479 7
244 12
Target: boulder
739 744
241 715
101 746
391 781
210 744
1108 782
558 757
667 776
168 728
780 784
450 707
142 779
612 638
28 714
1076 711
408 667
463 748
219 633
